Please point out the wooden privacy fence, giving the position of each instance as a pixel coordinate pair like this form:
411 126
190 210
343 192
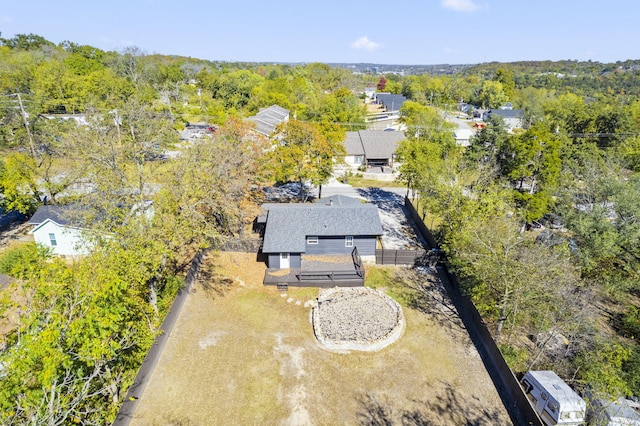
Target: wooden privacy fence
399 257
248 245
516 402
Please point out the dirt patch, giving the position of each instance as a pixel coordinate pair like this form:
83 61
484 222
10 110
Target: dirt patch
246 356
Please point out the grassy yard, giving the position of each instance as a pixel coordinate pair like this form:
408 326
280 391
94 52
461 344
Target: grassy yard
243 354
360 182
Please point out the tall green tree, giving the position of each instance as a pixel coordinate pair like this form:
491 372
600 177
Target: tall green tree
492 94
301 153
70 358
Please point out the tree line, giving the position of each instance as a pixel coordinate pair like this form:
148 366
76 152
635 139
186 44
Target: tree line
542 225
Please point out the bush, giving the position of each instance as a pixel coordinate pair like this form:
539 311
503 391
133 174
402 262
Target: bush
516 357
630 323
20 260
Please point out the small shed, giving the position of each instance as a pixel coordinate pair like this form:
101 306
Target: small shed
463 136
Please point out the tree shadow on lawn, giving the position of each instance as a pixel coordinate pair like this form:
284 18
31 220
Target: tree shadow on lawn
213 283
428 295
447 407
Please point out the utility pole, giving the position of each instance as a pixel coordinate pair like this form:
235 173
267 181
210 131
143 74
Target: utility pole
26 126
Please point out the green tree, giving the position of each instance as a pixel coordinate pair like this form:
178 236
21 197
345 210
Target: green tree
505 77
301 153
532 159
492 94
18 183
600 368
70 358
343 107
26 42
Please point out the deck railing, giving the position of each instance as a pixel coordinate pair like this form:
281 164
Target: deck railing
357 273
329 275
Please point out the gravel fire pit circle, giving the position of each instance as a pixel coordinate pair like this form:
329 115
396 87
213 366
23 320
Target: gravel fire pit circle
356 318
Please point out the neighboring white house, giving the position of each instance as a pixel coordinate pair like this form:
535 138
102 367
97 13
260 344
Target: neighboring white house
513 118
53 229
463 136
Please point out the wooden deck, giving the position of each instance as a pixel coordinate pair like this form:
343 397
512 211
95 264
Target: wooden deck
319 271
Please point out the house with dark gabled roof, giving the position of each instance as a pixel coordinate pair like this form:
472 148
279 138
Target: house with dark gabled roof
298 236
513 118
268 119
372 148
54 228
390 101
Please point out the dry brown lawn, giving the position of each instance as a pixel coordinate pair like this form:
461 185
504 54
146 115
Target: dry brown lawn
243 354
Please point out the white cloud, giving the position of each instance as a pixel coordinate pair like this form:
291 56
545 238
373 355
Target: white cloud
460 5
366 44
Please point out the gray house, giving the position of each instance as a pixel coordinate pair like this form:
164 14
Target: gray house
332 226
390 101
513 118
372 148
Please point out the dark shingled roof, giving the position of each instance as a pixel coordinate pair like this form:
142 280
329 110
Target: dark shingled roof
507 113
353 144
340 200
375 144
288 225
390 101
55 213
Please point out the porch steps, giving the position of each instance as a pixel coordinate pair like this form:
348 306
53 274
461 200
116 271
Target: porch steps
283 287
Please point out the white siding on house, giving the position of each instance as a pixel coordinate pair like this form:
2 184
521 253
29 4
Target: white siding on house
354 160
68 241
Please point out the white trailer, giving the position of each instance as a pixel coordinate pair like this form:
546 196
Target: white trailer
554 401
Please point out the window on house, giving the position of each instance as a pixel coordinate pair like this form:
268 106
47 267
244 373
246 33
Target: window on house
52 239
312 240
348 241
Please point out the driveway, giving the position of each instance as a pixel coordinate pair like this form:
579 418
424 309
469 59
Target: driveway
398 233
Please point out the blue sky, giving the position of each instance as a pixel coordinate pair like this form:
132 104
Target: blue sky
385 32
